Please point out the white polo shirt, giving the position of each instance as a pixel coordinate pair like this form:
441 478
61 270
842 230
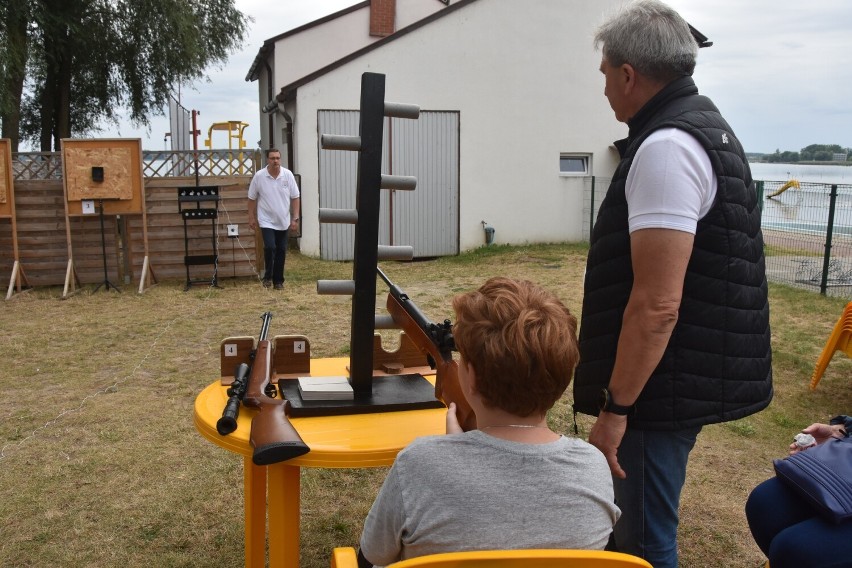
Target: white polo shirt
273 196
671 183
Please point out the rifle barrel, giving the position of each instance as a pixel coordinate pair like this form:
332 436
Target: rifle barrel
264 328
407 304
384 277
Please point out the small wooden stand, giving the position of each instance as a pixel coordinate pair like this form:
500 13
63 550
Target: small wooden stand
397 382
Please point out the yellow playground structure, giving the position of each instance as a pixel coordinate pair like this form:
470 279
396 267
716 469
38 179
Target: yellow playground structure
235 130
783 188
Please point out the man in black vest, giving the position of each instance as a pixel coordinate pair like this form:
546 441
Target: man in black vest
675 323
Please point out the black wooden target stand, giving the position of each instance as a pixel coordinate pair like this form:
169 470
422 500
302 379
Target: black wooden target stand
380 393
199 195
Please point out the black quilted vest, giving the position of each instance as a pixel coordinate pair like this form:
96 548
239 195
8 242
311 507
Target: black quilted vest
718 364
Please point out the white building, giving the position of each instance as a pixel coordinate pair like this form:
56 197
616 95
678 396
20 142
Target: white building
514 122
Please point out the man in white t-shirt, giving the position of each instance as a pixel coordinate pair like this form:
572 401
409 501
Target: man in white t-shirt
273 205
675 331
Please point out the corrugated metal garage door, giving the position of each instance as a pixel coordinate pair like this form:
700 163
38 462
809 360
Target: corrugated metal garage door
427 218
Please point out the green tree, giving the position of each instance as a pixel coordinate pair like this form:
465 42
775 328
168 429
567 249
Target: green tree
821 152
13 62
88 59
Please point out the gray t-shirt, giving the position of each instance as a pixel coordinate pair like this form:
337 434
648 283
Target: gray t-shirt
473 491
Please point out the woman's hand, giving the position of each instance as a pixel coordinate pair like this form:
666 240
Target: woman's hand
821 433
452 421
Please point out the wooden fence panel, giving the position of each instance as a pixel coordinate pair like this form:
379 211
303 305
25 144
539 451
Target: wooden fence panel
166 231
43 249
42 242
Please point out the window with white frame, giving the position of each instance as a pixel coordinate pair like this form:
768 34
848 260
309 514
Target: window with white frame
574 164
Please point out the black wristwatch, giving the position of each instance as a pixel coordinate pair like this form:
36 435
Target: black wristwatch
608 405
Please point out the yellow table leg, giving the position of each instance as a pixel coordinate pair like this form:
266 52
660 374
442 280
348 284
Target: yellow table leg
284 515
254 491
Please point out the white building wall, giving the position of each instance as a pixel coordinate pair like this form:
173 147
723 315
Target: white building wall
298 55
301 54
525 79
315 47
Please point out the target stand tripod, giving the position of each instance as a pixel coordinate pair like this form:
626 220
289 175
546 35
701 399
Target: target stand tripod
106 284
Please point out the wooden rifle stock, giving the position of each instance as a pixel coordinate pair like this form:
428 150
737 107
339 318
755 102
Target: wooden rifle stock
447 387
272 435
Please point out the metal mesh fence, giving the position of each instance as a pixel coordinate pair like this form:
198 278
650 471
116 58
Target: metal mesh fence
808 232
807 228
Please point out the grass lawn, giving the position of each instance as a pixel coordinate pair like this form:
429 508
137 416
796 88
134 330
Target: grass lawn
100 464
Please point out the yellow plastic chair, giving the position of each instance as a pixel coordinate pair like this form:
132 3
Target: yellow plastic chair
839 340
346 558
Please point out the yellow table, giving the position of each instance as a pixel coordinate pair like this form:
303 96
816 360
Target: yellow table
360 440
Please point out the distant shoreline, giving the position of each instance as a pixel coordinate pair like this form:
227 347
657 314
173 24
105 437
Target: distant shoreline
801 163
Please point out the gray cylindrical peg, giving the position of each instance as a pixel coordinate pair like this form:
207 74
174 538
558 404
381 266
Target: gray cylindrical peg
349 216
335 287
340 142
406 183
397 252
385 321
402 110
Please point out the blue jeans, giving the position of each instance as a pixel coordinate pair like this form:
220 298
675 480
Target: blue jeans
791 534
274 254
655 463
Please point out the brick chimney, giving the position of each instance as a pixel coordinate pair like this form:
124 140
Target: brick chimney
382 16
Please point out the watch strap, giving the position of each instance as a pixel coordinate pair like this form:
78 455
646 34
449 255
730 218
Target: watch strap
613 408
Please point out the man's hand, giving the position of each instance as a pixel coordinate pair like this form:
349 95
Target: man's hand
453 426
606 436
252 213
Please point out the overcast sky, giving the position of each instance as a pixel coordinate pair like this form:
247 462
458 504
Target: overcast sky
777 69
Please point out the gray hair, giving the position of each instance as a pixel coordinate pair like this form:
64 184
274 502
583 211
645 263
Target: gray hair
651 37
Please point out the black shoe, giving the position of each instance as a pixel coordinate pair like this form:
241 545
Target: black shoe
267 283
279 286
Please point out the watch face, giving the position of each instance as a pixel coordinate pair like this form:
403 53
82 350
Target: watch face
607 404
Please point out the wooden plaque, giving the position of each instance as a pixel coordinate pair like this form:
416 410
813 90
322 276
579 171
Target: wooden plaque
108 169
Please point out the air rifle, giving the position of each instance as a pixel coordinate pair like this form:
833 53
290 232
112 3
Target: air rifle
272 436
436 342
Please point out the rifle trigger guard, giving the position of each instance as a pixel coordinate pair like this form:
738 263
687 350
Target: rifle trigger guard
270 390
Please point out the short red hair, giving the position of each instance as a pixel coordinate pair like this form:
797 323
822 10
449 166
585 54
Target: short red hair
522 342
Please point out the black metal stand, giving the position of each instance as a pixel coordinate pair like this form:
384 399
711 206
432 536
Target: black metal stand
197 195
106 283
371 394
233 258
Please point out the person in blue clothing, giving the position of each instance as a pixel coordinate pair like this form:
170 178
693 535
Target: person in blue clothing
788 530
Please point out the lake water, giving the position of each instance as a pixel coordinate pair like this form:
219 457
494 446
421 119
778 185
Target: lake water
805 210
803 173
796 220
